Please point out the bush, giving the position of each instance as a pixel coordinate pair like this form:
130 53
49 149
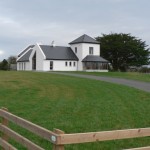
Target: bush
144 70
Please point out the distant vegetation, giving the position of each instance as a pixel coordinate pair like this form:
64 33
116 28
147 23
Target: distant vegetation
6 64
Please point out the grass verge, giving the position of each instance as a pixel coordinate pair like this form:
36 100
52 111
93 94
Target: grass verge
75 105
127 75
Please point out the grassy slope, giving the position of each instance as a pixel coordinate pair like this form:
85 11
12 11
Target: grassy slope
75 105
126 75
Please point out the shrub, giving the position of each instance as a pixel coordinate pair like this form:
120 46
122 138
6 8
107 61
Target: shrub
144 70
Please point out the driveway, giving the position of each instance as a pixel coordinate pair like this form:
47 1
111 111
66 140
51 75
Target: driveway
132 83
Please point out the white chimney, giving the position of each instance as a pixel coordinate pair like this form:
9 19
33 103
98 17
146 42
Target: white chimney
53 44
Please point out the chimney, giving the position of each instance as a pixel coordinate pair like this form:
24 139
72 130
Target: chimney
53 44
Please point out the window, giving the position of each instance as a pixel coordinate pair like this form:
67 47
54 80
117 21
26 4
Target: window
51 65
34 62
75 49
19 66
91 50
70 63
74 63
66 63
24 66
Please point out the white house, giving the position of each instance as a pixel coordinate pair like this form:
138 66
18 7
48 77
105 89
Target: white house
82 55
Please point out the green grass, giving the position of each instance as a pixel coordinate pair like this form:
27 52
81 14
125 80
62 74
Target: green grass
74 105
127 75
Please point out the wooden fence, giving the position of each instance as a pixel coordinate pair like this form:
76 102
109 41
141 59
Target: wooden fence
58 138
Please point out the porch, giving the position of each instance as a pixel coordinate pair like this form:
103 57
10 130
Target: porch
95 63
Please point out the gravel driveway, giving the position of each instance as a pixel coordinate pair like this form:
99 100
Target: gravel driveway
145 86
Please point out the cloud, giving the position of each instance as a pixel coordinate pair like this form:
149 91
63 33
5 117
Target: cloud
1 52
23 23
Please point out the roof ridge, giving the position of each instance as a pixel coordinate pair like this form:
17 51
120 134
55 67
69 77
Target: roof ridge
84 36
25 49
51 46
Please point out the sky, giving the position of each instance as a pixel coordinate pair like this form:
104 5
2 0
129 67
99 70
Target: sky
25 22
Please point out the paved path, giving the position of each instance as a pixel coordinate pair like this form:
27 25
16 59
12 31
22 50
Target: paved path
145 86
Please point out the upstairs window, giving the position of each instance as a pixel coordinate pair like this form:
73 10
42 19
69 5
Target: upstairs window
70 63
75 49
74 63
91 50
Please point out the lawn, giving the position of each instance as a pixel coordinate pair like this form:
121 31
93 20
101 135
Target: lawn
75 105
127 75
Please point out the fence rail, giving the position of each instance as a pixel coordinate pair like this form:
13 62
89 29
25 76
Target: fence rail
57 137
103 136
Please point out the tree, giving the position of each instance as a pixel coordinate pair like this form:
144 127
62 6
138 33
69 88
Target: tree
12 59
123 50
4 65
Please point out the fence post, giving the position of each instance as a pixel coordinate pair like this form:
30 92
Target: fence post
5 123
58 147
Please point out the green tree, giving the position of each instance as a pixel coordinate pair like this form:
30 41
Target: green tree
4 65
123 50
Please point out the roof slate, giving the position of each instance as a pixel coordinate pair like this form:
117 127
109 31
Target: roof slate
25 58
30 46
92 58
58 53
84 39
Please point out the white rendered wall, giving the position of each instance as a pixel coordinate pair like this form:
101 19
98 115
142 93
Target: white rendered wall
27 66
39 58
30 59
22 66
78 54
59 65
46 65
83 51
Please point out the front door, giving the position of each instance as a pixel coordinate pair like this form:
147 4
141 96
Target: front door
51 65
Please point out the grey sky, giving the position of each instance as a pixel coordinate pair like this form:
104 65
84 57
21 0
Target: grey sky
24 22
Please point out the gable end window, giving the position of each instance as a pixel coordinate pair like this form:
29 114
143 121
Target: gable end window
75 49
91 50
74 63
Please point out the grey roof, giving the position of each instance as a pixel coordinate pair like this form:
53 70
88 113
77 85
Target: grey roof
30 46
58 53
84 39
92 58
25 58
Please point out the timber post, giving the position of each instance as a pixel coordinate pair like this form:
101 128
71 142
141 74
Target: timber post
58 147
5 123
